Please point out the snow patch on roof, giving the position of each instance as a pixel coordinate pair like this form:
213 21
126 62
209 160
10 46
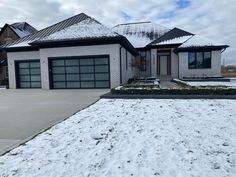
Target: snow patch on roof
199 41
140 34
178 40
88 28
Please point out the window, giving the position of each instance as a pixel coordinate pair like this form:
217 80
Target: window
143 60
199 60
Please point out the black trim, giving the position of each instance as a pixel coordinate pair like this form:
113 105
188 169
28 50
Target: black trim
87 42
21 49
51 74
200 49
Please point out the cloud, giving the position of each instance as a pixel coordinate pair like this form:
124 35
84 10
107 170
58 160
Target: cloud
213 18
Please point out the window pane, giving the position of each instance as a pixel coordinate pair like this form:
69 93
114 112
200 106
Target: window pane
60 77
143 54
35 84
72 69
59 85
36 78
24 84
199 60
191 60
24 71
86 69
87 84
86 61
102 76
35 64
35 71
57 62
101 61
24 65
101 68
25 78
207 59
72 62
102 84
72 77
73 84
85 77
58 70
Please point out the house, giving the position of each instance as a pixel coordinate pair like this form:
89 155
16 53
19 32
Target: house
10 33
80 52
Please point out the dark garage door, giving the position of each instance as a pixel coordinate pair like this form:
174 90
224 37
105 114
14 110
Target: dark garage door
28 74
79 72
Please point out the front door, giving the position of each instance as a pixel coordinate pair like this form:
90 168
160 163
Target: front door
163 63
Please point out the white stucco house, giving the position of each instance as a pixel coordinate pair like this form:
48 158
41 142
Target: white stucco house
80 52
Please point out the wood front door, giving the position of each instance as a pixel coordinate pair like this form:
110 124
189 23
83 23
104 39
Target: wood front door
163 63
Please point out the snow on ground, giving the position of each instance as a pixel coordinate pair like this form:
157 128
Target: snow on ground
213 83
170 138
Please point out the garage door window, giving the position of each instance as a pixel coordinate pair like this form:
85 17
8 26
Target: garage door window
80 72
28 74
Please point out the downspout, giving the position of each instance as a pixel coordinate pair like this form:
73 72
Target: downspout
178 65
120 67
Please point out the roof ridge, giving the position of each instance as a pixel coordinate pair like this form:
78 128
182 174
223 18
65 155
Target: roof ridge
132 23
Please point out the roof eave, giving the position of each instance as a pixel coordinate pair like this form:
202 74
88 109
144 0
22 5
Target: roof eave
85 42
21 49
196 48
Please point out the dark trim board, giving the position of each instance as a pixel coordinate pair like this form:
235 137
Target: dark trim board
94 57
200 49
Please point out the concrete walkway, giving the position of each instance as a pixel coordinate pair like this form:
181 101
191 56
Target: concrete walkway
24 113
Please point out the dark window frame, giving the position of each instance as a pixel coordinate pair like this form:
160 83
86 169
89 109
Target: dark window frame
204 60
95 82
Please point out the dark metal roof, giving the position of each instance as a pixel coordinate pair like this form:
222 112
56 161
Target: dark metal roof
172 34
51 29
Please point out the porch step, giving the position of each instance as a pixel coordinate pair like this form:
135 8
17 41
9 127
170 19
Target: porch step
164 78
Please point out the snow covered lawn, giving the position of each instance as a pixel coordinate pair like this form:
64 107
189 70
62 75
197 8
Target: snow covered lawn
114 138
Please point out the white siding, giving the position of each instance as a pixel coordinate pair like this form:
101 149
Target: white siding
214 71
15 56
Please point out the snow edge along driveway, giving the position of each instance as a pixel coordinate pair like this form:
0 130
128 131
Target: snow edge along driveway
23 142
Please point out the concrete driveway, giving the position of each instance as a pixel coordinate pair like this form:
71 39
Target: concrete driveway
24 113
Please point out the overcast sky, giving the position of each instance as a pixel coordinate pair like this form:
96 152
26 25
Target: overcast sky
215 19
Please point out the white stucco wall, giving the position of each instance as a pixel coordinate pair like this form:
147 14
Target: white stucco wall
43 54
214 71
129 71
15 56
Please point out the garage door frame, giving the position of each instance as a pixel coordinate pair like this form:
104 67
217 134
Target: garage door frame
17 74
50 59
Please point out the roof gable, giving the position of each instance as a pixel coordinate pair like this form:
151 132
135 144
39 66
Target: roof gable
174 36
142 33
